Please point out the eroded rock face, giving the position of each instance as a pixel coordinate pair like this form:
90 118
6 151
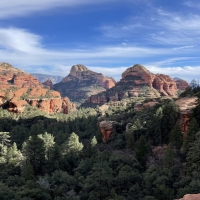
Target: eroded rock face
137 81
191 197
107 129
19 89
82 83
185 105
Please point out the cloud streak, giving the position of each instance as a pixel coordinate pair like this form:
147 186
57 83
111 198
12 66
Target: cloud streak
25 50
25 7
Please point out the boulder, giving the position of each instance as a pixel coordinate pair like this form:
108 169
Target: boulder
107 129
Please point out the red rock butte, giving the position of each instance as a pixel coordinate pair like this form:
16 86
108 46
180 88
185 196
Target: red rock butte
137 81
82 83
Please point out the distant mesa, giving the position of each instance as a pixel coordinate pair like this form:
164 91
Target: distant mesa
19 89
137 81
82 83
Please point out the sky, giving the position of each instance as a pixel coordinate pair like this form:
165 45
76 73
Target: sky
107 36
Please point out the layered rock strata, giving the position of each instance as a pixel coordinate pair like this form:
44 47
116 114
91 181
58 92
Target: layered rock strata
137 81
82 83
19 89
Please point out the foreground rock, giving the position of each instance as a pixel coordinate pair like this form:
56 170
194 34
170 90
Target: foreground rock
191 197
137 81
19 89
82 83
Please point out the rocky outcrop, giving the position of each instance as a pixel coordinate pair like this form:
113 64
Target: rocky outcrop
48 83
25 80
107 129
67 106
185 106
19 89
191 197
82 83
181 84
137 81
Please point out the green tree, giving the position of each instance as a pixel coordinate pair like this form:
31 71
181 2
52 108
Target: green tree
93 141
193 159
156 126
176 136
72 144
48 144
34 151
191 132
168 160
142 151
14 156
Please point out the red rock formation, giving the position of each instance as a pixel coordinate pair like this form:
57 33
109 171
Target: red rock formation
185 105
181 84
106 129
82 83
191 197
48 83
25 80
67 105
165 85
137 81
82 73
19 89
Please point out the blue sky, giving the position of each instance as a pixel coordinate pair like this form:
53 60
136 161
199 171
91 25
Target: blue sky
108 36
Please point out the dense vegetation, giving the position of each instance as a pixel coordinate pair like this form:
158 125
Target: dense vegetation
63 157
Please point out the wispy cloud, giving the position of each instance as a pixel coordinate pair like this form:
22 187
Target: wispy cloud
25 7
25 50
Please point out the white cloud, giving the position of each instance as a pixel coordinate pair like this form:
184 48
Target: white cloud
24 49
10 8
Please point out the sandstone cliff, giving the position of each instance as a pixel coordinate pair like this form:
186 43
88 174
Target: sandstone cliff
82 83
137 81
19 89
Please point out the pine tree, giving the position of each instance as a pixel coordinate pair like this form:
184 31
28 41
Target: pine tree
176 136
142 151
34 151
130 141
190 137
48 144
193 158
168 160
93 141
72 144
